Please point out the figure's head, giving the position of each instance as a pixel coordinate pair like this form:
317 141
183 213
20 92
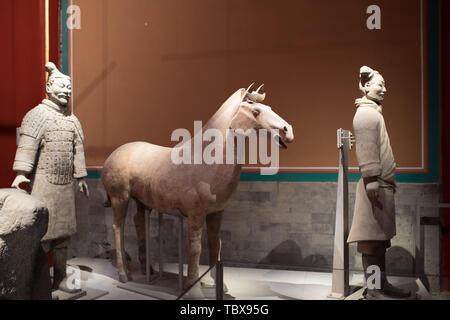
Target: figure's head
59 86
252 114
372 84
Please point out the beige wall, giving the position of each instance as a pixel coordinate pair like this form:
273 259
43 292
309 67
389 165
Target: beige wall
143 68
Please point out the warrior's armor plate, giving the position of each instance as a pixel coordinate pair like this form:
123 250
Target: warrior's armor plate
54 142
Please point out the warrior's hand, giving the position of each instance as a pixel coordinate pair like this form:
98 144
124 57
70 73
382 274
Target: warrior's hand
372 189
83 187
20 178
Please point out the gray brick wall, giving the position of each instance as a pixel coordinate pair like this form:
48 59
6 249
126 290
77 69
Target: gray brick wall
284 224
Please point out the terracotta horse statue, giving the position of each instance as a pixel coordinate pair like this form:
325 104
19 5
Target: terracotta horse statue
146 173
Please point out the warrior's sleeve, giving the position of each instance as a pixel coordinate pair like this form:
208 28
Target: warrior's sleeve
366 127
31 133
79 162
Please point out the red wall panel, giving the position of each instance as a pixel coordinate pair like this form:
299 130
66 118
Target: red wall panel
22 25
55 32
7 57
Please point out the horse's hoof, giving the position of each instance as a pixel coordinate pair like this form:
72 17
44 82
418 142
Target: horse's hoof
210 284
124 278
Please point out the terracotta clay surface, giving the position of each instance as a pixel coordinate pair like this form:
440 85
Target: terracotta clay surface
50 156
146 173
374 217
24 269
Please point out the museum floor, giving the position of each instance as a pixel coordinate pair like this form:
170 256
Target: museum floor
99 279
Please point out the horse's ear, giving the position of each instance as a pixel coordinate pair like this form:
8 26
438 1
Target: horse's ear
260 89
255 96
246 92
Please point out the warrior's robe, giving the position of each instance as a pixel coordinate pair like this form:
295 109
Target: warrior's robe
375 159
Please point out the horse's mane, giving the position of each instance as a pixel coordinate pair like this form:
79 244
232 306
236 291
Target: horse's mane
226 111
222 118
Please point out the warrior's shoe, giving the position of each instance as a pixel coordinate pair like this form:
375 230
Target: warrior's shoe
373 294
376 257
60 279
394 292
387 292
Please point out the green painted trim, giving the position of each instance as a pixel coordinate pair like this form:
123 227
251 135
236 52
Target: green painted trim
64 38
94 174
308 177
432 176
291 176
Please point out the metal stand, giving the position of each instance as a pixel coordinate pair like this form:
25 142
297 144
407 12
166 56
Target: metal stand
340 285
180 246
161 265
419 233
147 245
219 280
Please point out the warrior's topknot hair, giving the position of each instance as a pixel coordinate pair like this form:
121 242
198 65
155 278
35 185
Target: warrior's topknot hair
366 74
53 72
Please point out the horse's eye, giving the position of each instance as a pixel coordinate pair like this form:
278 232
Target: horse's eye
256 112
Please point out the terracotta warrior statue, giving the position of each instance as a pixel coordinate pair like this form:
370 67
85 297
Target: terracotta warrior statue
50 156
374 216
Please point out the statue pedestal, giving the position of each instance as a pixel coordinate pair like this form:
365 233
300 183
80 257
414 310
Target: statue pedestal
160 288
418 290
61 295
84 294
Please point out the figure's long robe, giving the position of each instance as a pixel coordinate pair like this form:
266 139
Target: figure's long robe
375 159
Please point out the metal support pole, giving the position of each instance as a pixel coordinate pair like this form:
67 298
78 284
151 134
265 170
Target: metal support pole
161 266
219 280
340 284
180 253
147 245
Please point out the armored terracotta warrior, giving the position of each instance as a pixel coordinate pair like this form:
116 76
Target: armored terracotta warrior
50 157
374 216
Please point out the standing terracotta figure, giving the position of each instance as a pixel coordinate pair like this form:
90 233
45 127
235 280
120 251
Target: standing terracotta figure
374 216
49 157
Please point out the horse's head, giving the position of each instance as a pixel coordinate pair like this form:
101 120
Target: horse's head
252 114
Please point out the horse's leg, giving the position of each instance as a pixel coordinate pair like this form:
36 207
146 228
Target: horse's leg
120 207
139 222
196 219
213 224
